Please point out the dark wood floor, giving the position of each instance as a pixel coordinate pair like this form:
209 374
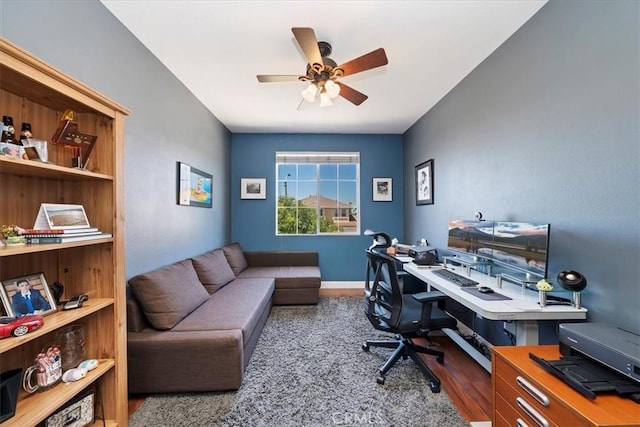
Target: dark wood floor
464 380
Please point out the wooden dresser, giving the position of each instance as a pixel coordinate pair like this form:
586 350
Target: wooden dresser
524 394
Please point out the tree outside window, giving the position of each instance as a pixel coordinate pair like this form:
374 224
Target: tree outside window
317 193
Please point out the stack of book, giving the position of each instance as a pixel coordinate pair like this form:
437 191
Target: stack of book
34 235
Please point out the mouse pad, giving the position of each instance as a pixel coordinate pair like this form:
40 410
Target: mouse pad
489 297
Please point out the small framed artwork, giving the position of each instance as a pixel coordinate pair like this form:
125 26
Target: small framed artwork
424 183
382 190
194 187
253 188
27 295
53 216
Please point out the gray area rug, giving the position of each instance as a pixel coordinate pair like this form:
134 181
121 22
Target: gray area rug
308 369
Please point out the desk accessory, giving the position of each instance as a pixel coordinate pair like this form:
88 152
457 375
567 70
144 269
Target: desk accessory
75 302
572 280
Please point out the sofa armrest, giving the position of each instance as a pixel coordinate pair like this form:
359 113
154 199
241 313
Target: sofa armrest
281 258
136 321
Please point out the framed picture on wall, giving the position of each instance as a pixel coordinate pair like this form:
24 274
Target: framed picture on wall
194 187
424 183
253 188
382 190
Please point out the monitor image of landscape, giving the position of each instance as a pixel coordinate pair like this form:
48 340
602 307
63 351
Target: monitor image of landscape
472 237
522 245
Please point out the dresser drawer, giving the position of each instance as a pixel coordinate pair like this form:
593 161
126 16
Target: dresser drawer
519 385
513 404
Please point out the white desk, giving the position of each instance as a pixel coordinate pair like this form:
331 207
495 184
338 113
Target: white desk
523 309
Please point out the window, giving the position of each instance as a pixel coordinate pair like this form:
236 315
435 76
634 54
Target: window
317 193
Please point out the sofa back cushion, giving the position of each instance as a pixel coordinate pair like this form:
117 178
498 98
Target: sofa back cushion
213 270
235 257
167 295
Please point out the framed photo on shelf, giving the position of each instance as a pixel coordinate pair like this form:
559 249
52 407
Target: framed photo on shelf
53 216
253 188
27 295
382 190
424 183
194 187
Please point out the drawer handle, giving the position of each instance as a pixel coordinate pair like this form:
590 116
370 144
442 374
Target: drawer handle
530 410
533 391
520 423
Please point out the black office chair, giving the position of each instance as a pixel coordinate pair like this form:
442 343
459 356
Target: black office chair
407 315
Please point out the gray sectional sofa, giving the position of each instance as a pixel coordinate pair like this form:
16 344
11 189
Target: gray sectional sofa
193 325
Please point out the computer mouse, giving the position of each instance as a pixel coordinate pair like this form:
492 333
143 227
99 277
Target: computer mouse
485 290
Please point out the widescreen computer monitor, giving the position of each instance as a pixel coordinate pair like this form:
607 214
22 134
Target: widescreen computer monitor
521 246
471 237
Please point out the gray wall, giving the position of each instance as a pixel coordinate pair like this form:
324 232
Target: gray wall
547 130
167 124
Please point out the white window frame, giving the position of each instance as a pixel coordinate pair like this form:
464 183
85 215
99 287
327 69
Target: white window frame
318 158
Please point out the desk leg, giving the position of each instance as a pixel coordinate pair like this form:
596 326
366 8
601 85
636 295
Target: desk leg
526 332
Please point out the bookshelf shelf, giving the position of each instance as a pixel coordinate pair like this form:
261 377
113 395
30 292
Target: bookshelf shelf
34 92
32 409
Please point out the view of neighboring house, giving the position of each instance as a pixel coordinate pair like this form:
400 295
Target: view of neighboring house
339 213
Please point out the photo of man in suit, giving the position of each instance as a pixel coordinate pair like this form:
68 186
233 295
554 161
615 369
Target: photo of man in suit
28 301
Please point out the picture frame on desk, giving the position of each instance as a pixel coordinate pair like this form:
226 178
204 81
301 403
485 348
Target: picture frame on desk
16 304
424 183
382 190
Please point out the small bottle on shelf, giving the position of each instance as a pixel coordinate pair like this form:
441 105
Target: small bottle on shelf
8 131
25 131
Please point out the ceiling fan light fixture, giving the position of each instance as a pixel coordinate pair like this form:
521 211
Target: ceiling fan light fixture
309 94
325 100
331 88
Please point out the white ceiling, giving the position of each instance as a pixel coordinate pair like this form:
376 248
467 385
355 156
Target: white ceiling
216 48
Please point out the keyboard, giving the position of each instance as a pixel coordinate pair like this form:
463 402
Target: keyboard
455 278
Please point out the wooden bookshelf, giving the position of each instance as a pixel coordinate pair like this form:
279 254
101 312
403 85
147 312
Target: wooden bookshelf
35 92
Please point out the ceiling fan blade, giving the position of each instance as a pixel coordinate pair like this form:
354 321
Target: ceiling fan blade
351 95
306 38
277 78
374 59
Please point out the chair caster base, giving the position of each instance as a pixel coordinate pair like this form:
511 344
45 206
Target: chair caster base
380 380
365 347
434 387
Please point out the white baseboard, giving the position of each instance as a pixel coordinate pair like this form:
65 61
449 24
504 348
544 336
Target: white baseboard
342 285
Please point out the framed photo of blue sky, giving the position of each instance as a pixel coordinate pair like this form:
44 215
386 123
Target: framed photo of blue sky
194 187
424 183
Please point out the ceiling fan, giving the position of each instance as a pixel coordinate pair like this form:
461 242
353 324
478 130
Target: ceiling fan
323 72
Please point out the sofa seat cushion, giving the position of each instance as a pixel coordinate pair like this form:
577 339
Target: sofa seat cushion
287 276
167 295
213 270
238 305
235 257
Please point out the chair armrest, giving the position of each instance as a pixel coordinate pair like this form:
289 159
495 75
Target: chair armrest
431 296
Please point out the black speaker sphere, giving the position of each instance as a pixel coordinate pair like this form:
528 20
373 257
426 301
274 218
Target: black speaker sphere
572 280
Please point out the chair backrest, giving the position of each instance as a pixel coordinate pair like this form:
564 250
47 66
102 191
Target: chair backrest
382 291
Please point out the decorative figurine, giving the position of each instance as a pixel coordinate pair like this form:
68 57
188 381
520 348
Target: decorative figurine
69 135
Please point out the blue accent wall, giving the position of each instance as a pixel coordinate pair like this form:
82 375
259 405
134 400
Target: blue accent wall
547 129
341 257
